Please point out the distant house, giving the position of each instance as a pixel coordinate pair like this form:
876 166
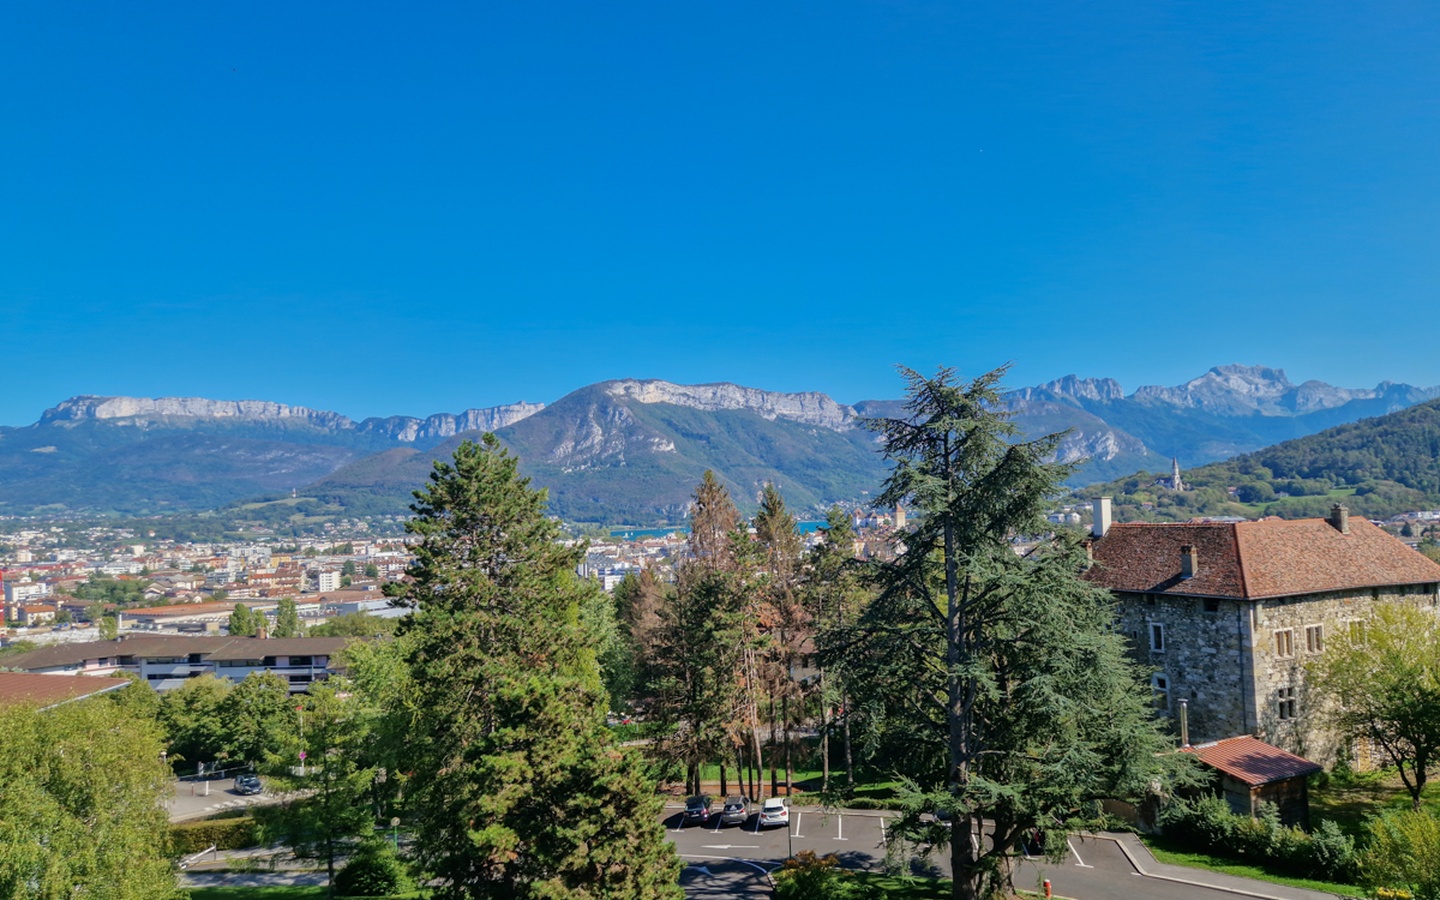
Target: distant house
167 661
1228 613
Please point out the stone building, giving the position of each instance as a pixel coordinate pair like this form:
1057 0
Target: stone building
1227 614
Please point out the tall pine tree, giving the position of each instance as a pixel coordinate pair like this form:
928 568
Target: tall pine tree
518 790
1002 670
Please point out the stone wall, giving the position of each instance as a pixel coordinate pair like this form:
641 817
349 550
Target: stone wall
1225 658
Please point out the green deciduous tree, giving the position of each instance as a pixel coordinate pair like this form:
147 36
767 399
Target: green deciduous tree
81 804
518 789
327 823
1403 852
1003 671
244 622
1380 682
193 718
261 722
287 619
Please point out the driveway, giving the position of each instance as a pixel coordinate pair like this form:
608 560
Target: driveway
733 861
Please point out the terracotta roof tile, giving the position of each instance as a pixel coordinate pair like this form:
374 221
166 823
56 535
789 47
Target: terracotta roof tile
1252 761
1249 560
44 690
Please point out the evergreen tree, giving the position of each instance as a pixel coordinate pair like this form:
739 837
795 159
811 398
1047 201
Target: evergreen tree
244 622
1003 673
697 650
518 789
833 596
783 619
287 619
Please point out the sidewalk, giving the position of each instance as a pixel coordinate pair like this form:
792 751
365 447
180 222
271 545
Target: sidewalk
1147 865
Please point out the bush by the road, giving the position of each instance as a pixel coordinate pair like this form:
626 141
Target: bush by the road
374 871
1208 824
225 834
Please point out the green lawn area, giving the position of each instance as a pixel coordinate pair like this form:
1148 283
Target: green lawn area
1351 799
1167 853
896 888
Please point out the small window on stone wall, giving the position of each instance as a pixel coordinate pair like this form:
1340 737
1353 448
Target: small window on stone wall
1160 688
1285 702
1285 643
1212 605
1314 638
1157 637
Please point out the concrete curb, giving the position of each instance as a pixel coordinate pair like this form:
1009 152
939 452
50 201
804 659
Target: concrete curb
1239 892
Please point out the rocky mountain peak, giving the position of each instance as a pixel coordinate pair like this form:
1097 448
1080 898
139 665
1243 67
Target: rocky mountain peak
1100 390
809 407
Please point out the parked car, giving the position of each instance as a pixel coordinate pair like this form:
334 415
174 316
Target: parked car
697 809
775 811
736 811
248 784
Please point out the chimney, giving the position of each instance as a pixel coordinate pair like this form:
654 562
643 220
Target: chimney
1102 517
1340 518
1184 723
1189 561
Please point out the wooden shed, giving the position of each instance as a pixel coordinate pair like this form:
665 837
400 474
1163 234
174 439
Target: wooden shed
1252 772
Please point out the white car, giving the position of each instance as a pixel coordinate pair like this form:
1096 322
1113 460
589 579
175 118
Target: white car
775 811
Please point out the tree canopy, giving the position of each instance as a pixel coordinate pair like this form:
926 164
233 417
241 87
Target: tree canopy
1380 682
1002 672
517 784
81 810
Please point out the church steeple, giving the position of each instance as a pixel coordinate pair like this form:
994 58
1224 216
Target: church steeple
1175 482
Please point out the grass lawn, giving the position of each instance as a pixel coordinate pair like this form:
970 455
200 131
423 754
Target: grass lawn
896 888
1168 853
1352 799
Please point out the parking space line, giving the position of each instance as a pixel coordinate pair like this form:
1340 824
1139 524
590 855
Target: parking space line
840 828
798 817
1078 861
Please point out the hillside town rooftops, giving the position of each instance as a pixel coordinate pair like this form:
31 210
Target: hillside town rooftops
1252 560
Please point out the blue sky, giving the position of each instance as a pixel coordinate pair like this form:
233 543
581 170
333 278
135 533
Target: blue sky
412 208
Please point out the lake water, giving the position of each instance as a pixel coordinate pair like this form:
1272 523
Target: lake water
809 526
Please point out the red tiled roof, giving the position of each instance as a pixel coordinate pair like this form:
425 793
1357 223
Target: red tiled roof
1248 560
1252 761
44 690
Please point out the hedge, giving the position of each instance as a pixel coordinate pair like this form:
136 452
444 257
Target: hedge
225 834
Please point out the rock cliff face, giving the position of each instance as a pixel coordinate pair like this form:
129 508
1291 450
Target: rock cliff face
809 408
443 425
142 411
145 412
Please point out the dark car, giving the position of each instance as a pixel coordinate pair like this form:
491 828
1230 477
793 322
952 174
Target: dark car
248 784
697 809
737 810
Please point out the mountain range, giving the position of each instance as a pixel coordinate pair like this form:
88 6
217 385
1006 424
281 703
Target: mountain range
629 450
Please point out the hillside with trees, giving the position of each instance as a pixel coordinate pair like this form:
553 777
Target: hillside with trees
1378 467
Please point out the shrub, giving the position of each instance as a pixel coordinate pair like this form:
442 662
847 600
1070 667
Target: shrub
1403 853
1208 824
807 876
374 871
225 834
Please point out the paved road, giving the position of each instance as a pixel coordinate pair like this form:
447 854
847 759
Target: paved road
730 860
192 801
